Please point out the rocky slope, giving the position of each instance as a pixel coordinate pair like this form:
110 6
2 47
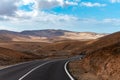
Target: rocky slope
102 61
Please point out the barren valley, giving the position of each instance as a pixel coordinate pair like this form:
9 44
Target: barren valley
102 51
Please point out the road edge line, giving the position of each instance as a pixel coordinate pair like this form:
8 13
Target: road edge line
35 69
17 64
65 67
32 70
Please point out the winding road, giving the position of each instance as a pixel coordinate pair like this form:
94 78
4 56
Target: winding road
38 70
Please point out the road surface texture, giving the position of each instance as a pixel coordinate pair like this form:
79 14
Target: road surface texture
38 70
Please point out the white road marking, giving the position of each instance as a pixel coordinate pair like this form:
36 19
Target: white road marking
65 67
36 68
32 70
17 64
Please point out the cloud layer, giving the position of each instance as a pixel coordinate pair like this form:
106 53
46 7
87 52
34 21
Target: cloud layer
89 4
30 14
17 9
8 7
46 4
26 8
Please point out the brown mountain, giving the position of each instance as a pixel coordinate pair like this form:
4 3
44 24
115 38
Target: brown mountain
46 35
33 43
10 35
99 43
102 61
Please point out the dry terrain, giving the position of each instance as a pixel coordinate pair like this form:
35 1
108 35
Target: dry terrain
39 44
48 35
37 50
102 61
8 56
61 49
102 51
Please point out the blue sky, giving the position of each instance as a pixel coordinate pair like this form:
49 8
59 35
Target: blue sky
102 16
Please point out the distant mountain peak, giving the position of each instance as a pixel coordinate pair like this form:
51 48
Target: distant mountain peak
45 35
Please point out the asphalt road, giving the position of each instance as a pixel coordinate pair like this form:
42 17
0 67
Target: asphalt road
38 70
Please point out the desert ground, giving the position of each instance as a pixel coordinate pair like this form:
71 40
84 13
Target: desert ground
102 52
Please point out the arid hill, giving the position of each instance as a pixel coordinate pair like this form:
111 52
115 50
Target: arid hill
102 53
62 48
8 56
102 61
99 43
48 35
23 46
45 50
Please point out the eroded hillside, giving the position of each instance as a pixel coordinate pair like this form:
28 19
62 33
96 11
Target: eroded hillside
102 61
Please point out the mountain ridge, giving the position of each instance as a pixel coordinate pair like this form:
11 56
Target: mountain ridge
47 35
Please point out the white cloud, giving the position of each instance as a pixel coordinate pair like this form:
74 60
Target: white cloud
27 2
90 4
8 7
26 15
115 1
65 22
11 7
2 27
54 3
45 17
37 19
71 3
112 21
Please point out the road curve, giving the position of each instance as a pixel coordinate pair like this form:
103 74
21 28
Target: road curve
17 71
38 70
53 70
